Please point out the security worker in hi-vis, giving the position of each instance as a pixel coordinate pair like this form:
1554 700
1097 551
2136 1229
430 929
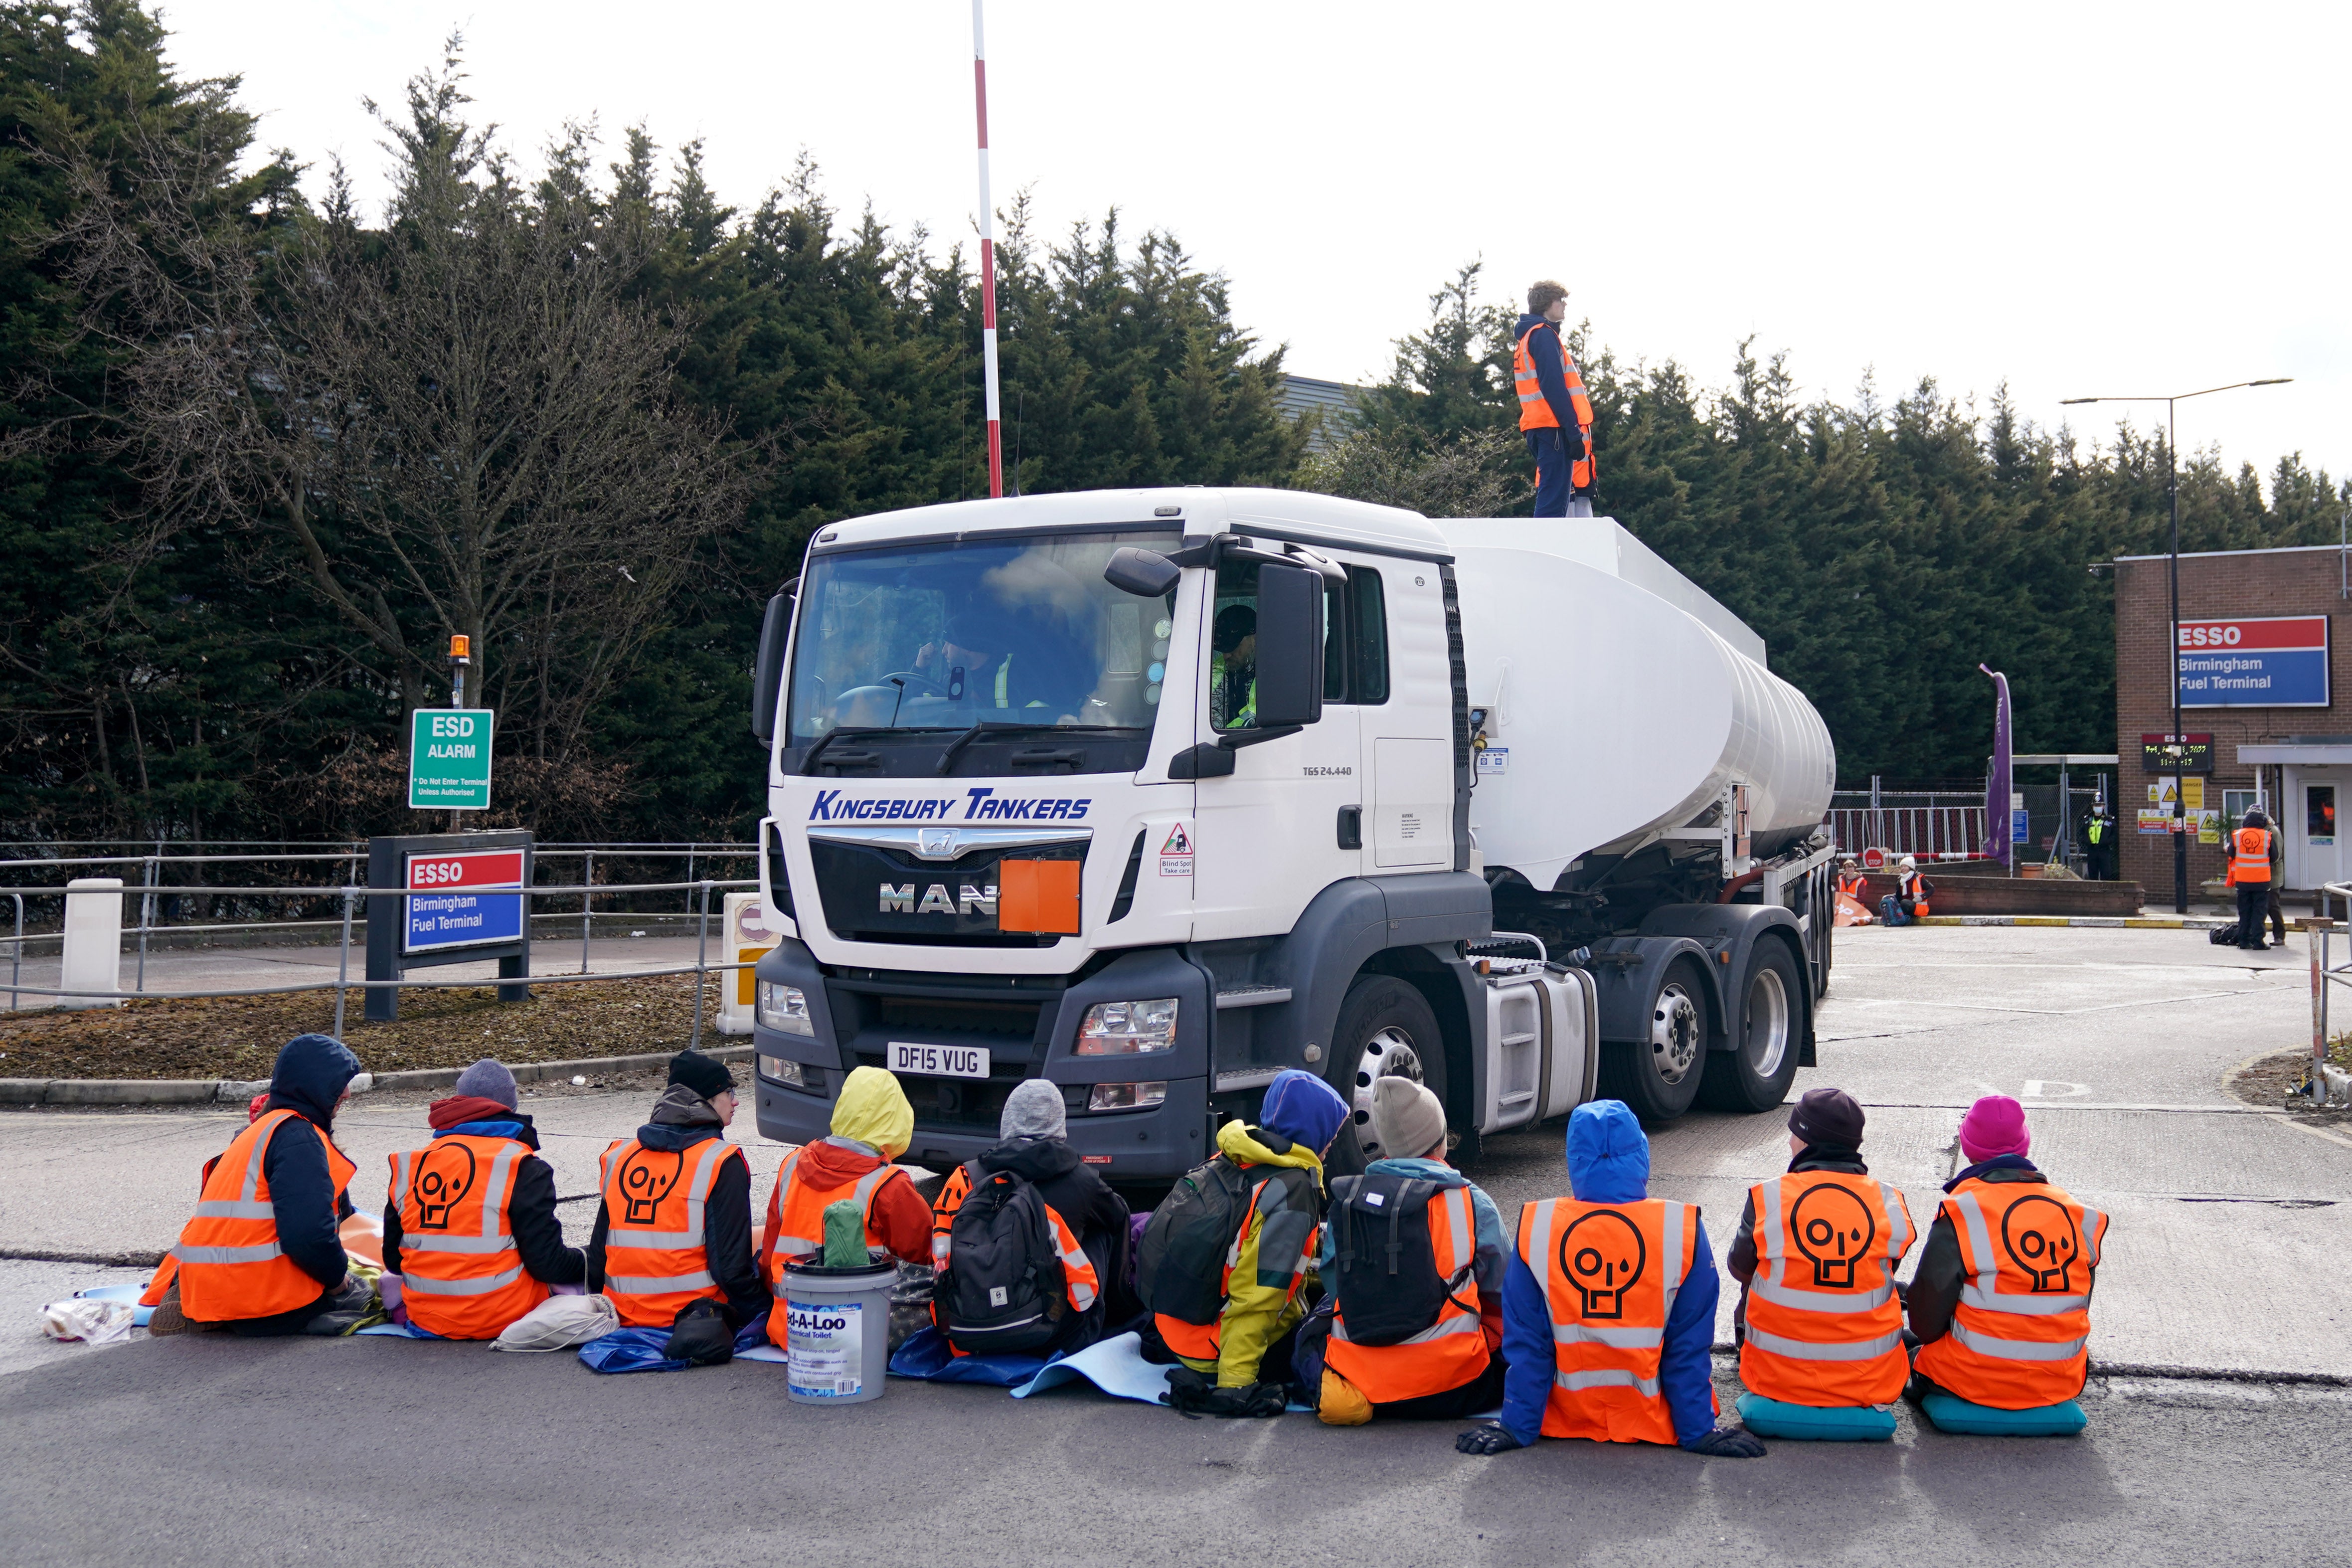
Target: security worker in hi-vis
1555 414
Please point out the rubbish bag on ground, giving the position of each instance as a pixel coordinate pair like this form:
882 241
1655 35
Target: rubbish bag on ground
559 1323
89 1319
640 1350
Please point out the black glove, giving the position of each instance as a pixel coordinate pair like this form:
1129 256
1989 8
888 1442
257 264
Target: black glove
1492 1439
1728 1443
1192 1395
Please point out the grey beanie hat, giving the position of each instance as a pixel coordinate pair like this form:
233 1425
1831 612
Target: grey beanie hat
1033 1109
487 1080
1407 1119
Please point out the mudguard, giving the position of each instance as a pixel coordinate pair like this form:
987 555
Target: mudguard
1627 972
1729 933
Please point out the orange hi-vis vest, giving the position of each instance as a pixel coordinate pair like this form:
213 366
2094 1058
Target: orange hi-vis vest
1448 1353
795 1228
1824 1326
2251 861
1853 887
1204 1341
1609 1274
231 1267
460 1274
1907 889
2021 1335
654 1258
1535 409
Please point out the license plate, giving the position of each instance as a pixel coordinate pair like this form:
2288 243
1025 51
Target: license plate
939 1061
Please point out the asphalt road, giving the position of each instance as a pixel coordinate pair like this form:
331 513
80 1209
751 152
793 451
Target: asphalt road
2228 1253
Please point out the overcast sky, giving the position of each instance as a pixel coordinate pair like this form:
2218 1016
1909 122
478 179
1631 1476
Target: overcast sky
2070 198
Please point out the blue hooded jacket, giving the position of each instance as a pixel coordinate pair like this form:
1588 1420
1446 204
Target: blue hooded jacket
1303 1108
310 1077
1608 1163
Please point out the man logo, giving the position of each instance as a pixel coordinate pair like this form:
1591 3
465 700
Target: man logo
2039 1235
1603 1254
1833 1228
644 1184
443 1183
936 843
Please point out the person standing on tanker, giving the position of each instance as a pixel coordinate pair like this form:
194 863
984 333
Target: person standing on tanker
1555 412
674 1228
1608 1309
2251 866
264 1255
1818 1321
2001 1304
480 1181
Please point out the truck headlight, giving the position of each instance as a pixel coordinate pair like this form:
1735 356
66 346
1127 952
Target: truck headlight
784 1008
1123 1028
784 1072
1126 1096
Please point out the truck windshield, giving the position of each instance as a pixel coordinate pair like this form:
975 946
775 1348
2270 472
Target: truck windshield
1013 631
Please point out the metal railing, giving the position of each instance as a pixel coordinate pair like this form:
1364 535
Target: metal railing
2325 972
1938 832
349 892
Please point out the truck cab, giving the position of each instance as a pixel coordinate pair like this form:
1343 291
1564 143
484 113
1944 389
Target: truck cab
1150 794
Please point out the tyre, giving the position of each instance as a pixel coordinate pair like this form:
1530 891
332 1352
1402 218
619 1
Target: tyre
1386 1029
1658 1078
1756 1073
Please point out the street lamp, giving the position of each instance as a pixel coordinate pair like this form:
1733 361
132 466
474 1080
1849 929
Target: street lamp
2180 747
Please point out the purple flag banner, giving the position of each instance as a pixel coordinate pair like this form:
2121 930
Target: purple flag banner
1997 785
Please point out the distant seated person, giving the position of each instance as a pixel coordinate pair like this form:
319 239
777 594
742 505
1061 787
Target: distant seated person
469 1226
872 1125
1008 667
1909 899
674 1228
1608 1309
1817 1321
1232 669
2001 1301
1030 1282
264 1255
1416 1334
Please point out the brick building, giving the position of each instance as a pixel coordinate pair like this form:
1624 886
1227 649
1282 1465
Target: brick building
2261 675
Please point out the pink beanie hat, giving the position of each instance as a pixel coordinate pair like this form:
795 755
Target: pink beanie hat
1994 1125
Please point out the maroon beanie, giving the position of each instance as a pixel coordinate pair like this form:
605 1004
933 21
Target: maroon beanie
1994 1125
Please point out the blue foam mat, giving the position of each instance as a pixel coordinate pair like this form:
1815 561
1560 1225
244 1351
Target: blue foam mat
131 1293
1950 1413
928 1356
1116 1366
640 1350
1817 1424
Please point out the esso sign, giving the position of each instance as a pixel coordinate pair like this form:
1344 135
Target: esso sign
472 869
437 873
2223 633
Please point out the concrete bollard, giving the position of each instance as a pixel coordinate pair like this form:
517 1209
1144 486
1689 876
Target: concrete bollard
93 945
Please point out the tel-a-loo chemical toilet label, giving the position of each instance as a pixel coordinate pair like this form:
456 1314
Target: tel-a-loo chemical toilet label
826 1348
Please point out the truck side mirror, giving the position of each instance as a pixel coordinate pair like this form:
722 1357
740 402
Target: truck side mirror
1290 647
1146 573
768 673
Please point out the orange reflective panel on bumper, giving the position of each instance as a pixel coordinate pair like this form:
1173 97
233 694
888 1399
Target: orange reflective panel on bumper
1039 895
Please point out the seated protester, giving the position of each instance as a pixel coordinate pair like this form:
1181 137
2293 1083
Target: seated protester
872 1125
1083 1227
1437 1314
1818 1320
1608 1309
469 1226
264 1255
2001 1299
1226 1261
674 1227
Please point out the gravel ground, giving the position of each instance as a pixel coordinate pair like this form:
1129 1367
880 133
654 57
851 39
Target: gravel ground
2268 1081
238 1037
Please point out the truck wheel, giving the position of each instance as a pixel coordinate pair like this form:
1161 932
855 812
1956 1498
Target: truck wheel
1386 1029
1756 1073
1658 1078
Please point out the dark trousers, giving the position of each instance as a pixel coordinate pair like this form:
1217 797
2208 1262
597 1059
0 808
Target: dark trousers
2252 899
2101 858
2277 913
1552 472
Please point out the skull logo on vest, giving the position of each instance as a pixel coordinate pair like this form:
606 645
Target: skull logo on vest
643 1185
1833 1228
2040 1236
1603 1255
443 1183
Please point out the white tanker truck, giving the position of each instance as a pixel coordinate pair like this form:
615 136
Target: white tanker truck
1153 794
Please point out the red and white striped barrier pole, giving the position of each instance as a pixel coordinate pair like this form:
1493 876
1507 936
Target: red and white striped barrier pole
987 260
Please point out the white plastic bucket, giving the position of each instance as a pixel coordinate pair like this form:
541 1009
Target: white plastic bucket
838 1331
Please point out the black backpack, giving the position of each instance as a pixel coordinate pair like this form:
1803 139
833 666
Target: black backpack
1003 1288
1384 1268
1180 1264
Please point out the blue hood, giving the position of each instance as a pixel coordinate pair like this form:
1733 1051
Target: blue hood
310 1077
1303 1108
1607 1157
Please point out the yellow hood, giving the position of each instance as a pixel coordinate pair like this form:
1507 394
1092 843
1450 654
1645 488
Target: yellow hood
1237 1142
873 1110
